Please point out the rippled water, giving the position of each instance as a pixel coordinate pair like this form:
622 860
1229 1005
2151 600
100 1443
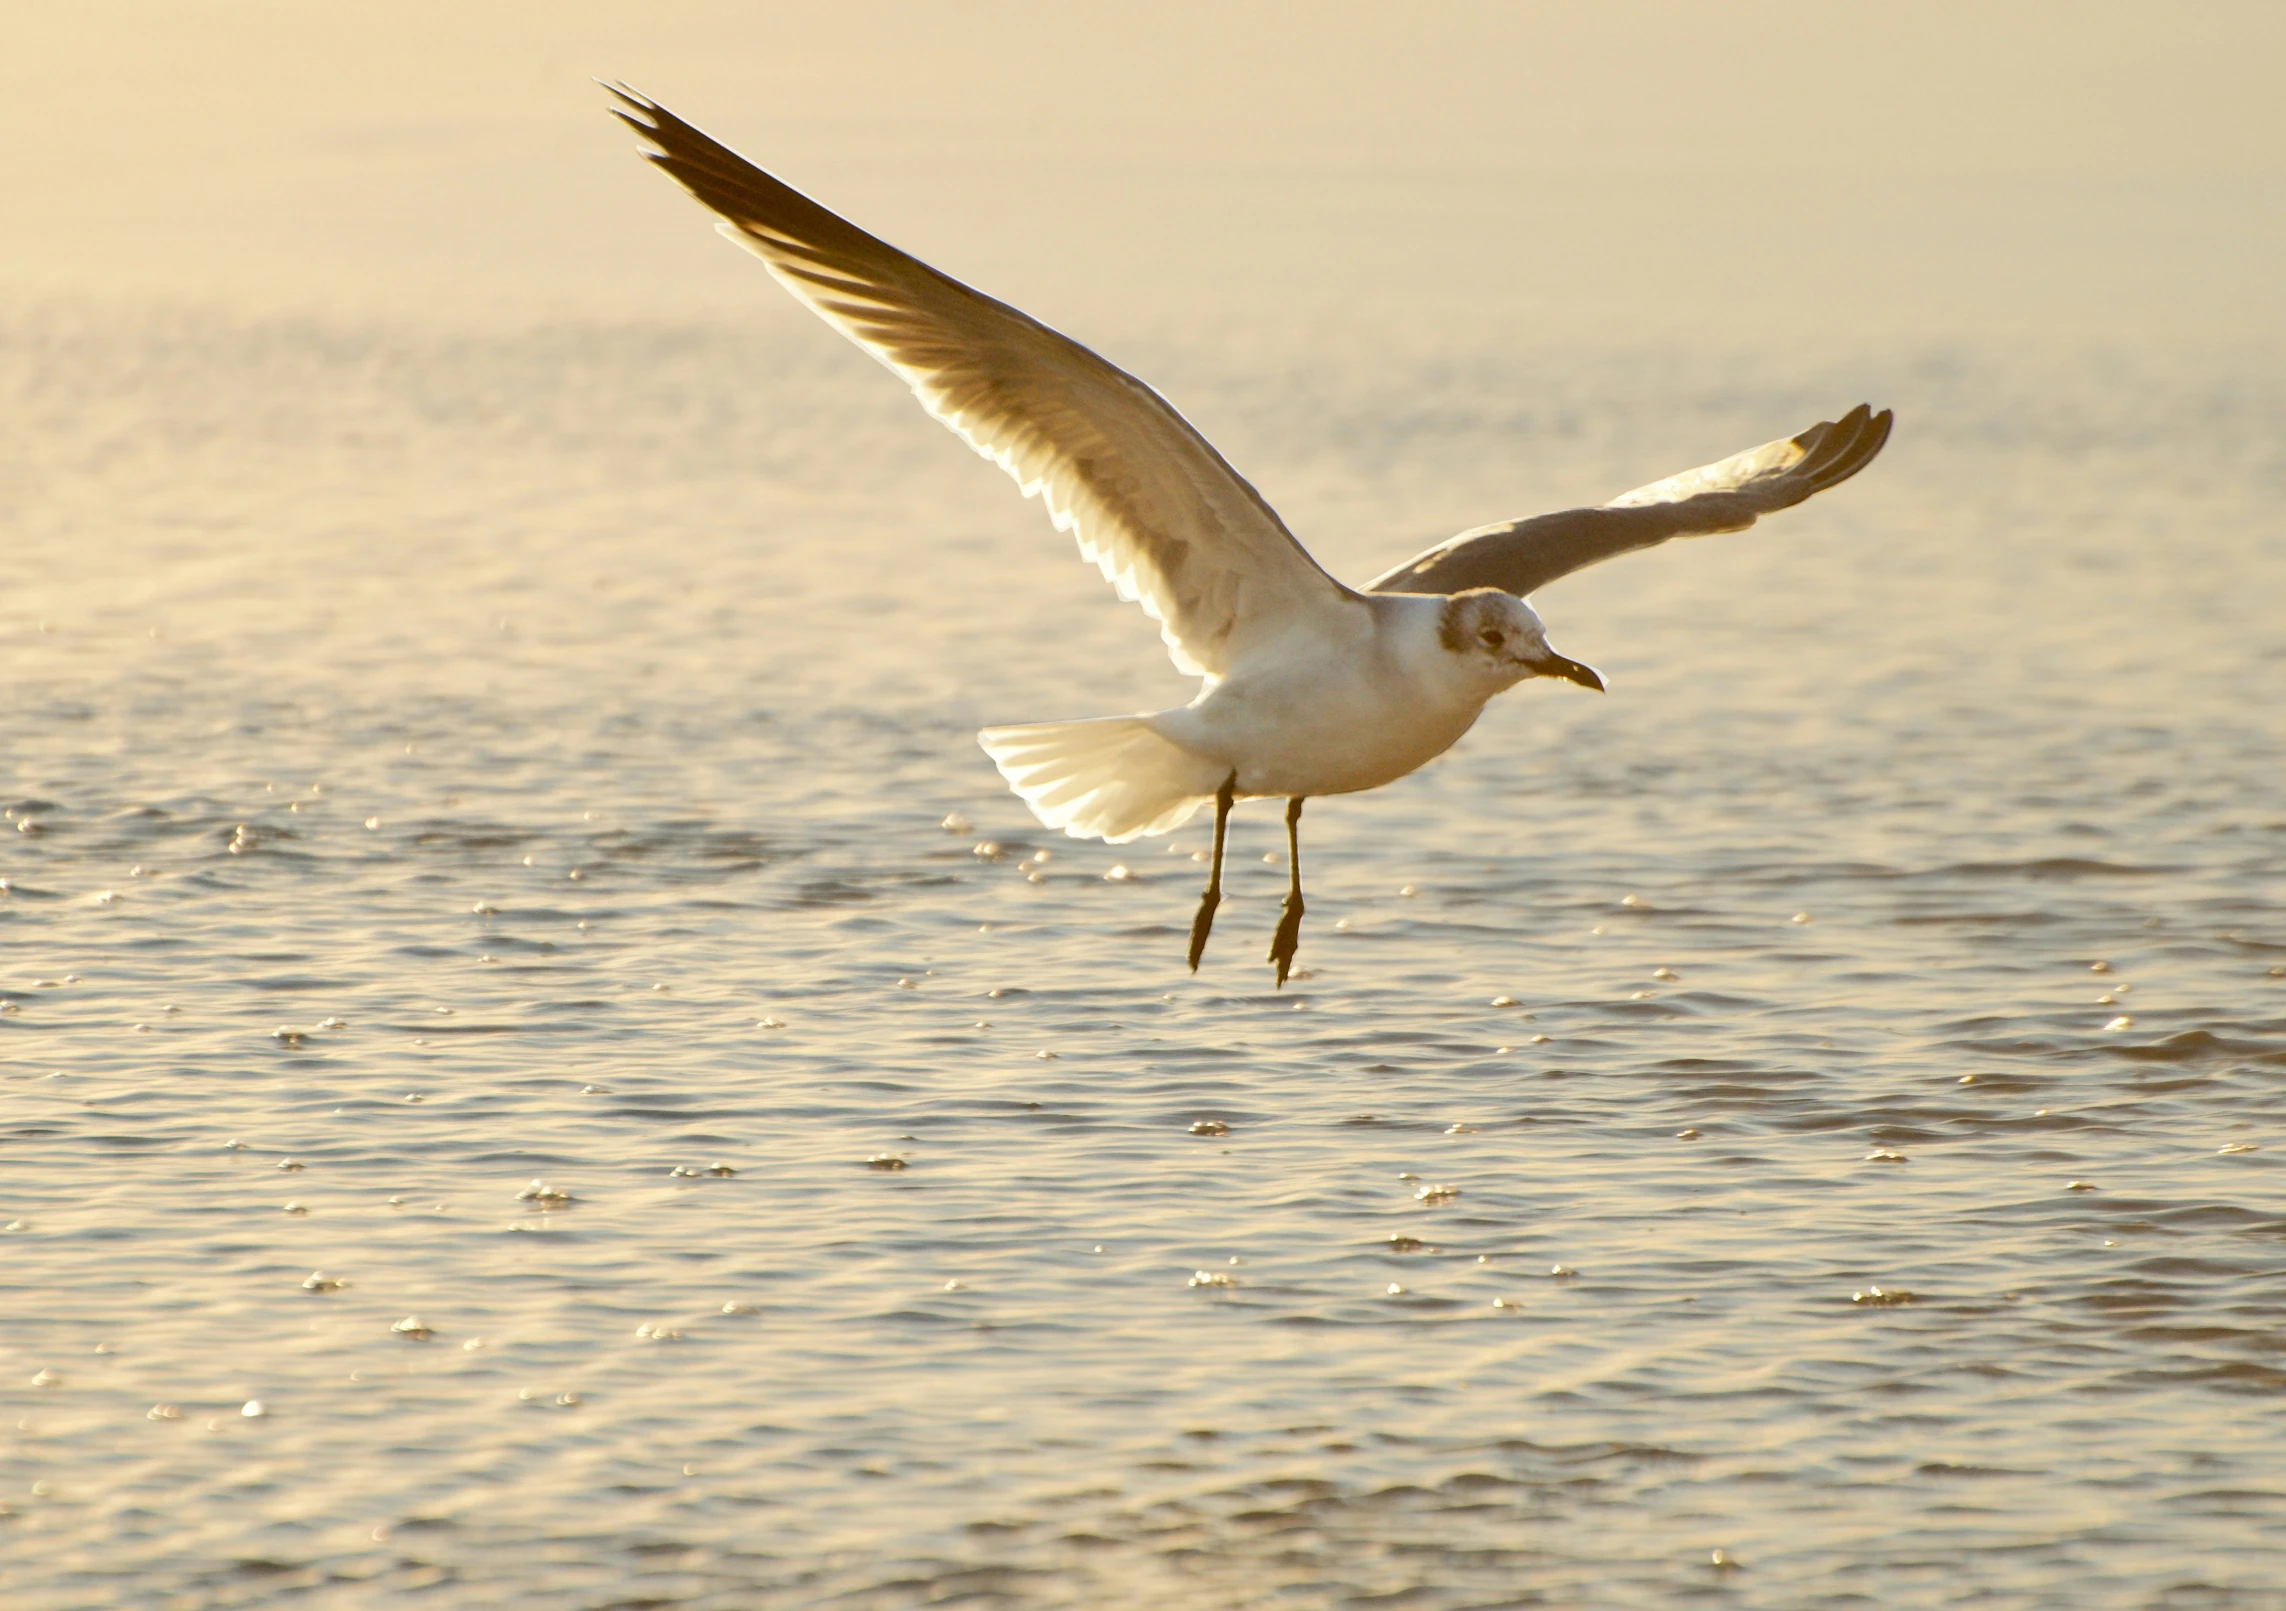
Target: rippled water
440 762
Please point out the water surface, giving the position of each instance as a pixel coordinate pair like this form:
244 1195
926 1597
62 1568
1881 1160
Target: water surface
439 760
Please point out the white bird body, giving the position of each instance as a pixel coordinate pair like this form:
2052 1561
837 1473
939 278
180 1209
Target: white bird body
1331 703
1343 705
1311 687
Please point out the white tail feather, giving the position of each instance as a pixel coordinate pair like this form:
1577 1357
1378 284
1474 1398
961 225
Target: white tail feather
1111 778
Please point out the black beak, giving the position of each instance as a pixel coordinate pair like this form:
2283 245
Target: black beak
1570 670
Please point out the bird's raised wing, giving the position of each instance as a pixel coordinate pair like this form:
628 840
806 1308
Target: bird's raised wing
1171 525
1519 556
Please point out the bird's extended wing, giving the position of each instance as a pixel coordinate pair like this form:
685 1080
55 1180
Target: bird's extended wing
1171 525
1519 556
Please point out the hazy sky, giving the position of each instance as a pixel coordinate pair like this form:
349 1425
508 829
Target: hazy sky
2062 168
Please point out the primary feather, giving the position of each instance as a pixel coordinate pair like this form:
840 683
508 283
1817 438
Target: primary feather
1172 526
1521 556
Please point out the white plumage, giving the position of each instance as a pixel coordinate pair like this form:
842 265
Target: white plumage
1310 687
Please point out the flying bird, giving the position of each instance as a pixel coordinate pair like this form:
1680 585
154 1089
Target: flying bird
1310 687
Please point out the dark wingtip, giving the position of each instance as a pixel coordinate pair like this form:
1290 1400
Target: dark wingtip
647 117
1829 442
1866 440
1835 450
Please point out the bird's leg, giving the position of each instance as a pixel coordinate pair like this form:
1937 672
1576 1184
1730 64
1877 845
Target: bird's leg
1289 935
1203 924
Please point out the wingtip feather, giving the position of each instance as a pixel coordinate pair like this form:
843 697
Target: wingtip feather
1858 437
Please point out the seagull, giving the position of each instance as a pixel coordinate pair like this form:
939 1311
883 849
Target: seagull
1310 687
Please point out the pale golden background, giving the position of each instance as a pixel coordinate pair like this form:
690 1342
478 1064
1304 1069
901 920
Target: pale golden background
1609 168
484 674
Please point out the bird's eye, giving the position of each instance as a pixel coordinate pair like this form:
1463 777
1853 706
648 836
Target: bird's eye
1490 637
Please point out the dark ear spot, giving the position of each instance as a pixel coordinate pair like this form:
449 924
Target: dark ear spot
1449 630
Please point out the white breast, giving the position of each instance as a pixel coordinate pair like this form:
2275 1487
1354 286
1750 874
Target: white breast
1320 713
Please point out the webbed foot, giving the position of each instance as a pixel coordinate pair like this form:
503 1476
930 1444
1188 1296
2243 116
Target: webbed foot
1203 925
1288 939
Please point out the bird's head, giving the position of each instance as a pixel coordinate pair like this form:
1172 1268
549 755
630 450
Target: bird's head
1499 636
